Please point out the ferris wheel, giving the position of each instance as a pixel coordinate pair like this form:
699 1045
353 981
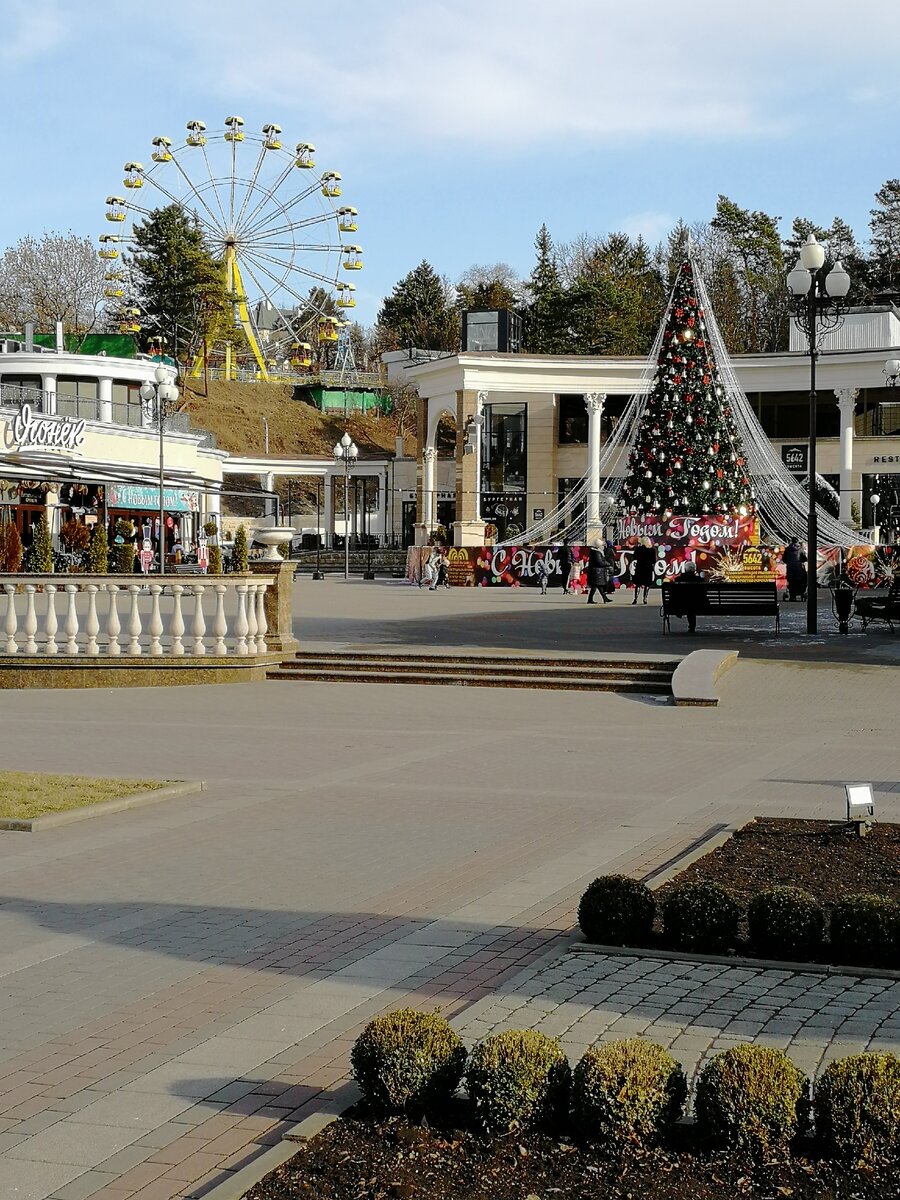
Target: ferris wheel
277 223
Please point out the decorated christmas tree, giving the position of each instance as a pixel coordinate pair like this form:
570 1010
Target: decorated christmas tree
687 458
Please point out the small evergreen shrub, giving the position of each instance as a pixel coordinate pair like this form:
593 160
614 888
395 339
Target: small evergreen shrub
627 1091
518 1079
39 557
75 536
98 551
786 922
123 552
865 929
10 549
617 911
408 1060
239 555
753 1099
857 1107
700 916
215 561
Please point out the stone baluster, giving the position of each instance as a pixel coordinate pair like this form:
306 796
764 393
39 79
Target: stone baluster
29 626
176 625
156 625
113 625
262 625
220 625
11 624
198 625
134 620
92 625
51 625
251 618
71 625
241 627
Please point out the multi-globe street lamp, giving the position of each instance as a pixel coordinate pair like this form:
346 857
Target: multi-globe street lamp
159 400
819 302
346 451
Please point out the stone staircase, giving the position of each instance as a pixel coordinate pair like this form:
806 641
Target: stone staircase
562 673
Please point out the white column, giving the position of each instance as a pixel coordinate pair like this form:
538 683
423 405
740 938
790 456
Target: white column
847 406
429 458
106 401
48 385
328 512
213 506
594 402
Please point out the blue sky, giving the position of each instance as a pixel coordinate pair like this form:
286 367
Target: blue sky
459 127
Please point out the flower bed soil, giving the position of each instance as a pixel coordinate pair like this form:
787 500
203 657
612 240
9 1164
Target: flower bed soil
362 1157
820 856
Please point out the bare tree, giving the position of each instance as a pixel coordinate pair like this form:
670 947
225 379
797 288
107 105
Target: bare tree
57 277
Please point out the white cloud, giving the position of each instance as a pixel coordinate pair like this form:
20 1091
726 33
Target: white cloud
30 32
513 72
651 226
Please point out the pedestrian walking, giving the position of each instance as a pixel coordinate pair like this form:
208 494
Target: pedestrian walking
643 561
566 562
443 569
542 570
598 572
794 559
690 598
612 568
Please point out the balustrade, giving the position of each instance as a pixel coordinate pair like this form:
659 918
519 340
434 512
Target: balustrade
227 616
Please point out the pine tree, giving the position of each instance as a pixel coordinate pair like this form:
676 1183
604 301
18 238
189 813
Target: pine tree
39 559
418 313
239 554
546 312
98 551
885 226
687 459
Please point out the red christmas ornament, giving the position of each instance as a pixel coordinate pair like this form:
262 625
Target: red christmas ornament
679 312
705 380
677 379
689 398
691 322
715 447
720 474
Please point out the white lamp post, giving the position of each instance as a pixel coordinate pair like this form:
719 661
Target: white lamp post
819 303
159 399
346 451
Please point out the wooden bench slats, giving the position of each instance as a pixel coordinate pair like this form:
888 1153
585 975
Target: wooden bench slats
727 599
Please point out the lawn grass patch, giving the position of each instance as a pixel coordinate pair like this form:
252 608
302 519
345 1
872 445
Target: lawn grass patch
25 795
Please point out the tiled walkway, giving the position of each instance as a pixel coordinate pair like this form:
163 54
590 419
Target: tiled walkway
180 983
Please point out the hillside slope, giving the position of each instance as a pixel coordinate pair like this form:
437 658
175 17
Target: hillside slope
234 413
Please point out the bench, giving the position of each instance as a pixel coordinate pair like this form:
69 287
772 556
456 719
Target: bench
720 599
881 608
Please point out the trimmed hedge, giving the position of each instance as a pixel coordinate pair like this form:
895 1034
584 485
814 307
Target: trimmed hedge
616 910
857 1107
753 1099
408 1060
865 929
627 1091
700 916
786 922
518 1079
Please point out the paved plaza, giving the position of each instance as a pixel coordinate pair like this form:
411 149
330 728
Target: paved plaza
180 984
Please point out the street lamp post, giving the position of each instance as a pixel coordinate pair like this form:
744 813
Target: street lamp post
346 451
317 573
266 427
160 398
819 300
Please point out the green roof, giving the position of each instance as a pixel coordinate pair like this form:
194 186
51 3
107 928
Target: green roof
115 345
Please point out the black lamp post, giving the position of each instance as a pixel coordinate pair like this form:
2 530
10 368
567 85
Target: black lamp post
317 573
819 301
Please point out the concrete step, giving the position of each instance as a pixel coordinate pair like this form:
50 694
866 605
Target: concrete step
555 672
481 662
650 683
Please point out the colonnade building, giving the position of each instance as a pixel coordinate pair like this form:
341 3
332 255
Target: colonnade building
543 420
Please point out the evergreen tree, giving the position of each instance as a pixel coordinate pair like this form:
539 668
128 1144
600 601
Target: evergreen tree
39 559
419 314
752 243
544 329
10 549
497 286
180 284
98 551
687 458
240 555
885 227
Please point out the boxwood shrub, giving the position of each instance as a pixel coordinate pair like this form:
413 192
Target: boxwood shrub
786 922
700 916
627 1092
865 929
408 1060
752 1099
857 1107
616 910
518 1079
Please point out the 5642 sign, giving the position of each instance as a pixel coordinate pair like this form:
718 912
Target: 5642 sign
796 458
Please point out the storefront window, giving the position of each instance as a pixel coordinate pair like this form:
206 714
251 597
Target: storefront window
504 448
573 420
16 390
77 398
126 404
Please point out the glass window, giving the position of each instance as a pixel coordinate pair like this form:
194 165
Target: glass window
126 403
22 389
504 448
573 420
482 331
77 397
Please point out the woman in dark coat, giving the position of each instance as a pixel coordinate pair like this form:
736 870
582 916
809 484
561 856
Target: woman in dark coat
598 575
794 561
564 554
644 559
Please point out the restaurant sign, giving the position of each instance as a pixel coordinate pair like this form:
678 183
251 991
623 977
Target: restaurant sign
29 430
142 495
